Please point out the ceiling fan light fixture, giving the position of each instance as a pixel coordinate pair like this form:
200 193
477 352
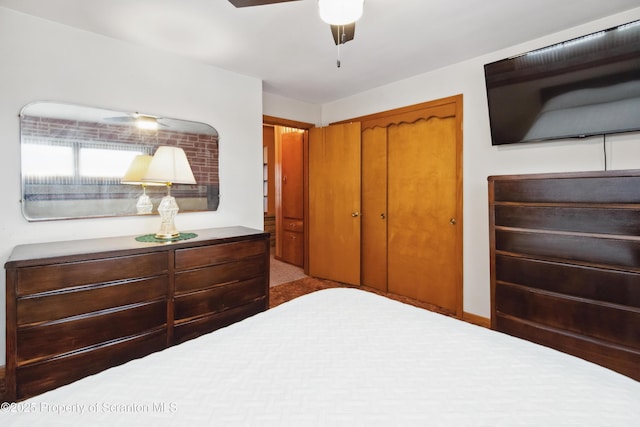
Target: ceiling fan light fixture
146 122
340 12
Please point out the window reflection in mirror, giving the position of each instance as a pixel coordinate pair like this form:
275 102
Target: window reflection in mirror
74 157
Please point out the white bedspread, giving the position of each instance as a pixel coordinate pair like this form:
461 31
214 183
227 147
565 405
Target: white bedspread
344 357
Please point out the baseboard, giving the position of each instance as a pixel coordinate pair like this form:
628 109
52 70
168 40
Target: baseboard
3 385
476 320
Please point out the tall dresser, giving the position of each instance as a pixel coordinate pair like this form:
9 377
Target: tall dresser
75 308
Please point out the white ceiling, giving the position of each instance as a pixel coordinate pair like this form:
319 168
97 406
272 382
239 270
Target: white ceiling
292 51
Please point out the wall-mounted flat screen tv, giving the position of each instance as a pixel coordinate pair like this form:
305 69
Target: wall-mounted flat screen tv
582 87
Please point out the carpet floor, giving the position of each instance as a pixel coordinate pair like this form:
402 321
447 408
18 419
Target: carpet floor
282 272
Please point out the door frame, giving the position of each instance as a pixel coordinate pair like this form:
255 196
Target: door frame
278 121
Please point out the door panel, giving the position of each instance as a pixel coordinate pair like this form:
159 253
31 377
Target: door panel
334 203
292 206
422 203
292 198
374 208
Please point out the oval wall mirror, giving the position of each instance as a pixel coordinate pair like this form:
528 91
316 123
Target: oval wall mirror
74 158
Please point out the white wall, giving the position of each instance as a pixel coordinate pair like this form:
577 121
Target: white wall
41 60
285 108
479 157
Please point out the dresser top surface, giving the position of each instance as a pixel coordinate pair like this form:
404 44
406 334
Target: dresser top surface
24 255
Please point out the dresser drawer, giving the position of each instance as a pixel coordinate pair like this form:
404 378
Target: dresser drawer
37 378
218 299
290 224
293 248
53 339
207 277
73 302
58 276
216 254
184 331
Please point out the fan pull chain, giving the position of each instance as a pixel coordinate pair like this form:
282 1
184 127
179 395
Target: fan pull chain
341 37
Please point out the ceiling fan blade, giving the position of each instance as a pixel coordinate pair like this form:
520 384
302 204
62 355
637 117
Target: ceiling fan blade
247 3
131 119
119 119
343 33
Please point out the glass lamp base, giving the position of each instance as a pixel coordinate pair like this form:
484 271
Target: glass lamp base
168 209
144 205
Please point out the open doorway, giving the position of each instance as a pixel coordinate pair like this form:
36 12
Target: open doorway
285 185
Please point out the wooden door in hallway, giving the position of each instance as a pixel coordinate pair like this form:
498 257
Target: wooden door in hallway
292 206
334 203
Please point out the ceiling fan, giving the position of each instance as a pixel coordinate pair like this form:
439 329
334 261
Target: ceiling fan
142 121
341 15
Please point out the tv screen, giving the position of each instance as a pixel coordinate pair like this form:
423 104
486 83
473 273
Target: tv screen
586 86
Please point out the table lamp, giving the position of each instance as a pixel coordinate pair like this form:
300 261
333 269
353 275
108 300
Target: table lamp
169 166
134 175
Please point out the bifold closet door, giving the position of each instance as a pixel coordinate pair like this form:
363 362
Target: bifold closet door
334 202
374 208
422 202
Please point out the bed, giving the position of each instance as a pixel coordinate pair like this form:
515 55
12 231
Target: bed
344 357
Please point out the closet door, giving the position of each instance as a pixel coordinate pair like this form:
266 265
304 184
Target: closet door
334 202
423 256
374 208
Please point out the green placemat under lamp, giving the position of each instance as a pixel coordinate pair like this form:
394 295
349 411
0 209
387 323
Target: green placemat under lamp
151 238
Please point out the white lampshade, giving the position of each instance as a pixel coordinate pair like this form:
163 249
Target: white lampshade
134 176
137 171
340 12
170 166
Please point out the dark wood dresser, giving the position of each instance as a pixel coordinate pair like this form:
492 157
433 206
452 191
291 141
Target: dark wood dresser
565 263
75 308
